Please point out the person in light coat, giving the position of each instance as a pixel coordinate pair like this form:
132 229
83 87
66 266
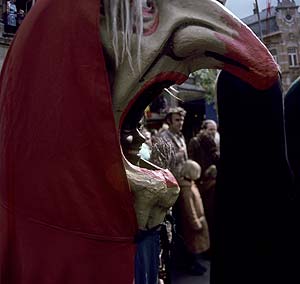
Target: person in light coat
193 225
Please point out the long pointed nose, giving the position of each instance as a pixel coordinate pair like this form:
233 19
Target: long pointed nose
230 45
245 48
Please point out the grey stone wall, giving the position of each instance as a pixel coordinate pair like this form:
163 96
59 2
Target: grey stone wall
3 51
4 45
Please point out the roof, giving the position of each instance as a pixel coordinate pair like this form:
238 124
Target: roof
189 90
263 16
268 22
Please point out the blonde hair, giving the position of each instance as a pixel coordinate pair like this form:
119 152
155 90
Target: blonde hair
191 170
124 17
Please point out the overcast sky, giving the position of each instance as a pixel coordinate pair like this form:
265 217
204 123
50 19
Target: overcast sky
244 8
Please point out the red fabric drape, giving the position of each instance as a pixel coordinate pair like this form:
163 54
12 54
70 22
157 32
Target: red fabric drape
66 212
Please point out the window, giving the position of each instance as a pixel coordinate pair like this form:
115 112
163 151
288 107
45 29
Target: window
288 17
291 36
293 58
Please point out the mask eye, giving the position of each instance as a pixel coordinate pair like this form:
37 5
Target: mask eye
150 16
147 4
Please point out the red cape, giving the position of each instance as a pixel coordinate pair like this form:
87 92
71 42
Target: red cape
66 212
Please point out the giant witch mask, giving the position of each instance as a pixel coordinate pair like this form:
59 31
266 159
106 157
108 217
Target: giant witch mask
66 210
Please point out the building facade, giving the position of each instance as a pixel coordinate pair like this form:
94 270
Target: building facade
279 29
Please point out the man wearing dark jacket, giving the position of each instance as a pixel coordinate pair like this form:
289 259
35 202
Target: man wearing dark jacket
204 150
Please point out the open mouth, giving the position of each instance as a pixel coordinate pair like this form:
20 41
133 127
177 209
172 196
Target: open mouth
233 56
151 185
131 138
135 111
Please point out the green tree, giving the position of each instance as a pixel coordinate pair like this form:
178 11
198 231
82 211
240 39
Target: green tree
206 78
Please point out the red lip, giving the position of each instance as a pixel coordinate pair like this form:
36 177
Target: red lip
174 77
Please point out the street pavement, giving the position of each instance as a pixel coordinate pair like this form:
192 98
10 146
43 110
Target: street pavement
181 277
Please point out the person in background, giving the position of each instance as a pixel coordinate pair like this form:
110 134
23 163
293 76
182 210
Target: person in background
11 17
204 150
20 17
146 147
173 135
194 228
170 152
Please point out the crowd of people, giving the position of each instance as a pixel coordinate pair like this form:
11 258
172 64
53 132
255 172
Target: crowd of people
189 223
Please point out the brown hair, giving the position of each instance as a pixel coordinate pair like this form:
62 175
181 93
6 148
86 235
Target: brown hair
174 110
